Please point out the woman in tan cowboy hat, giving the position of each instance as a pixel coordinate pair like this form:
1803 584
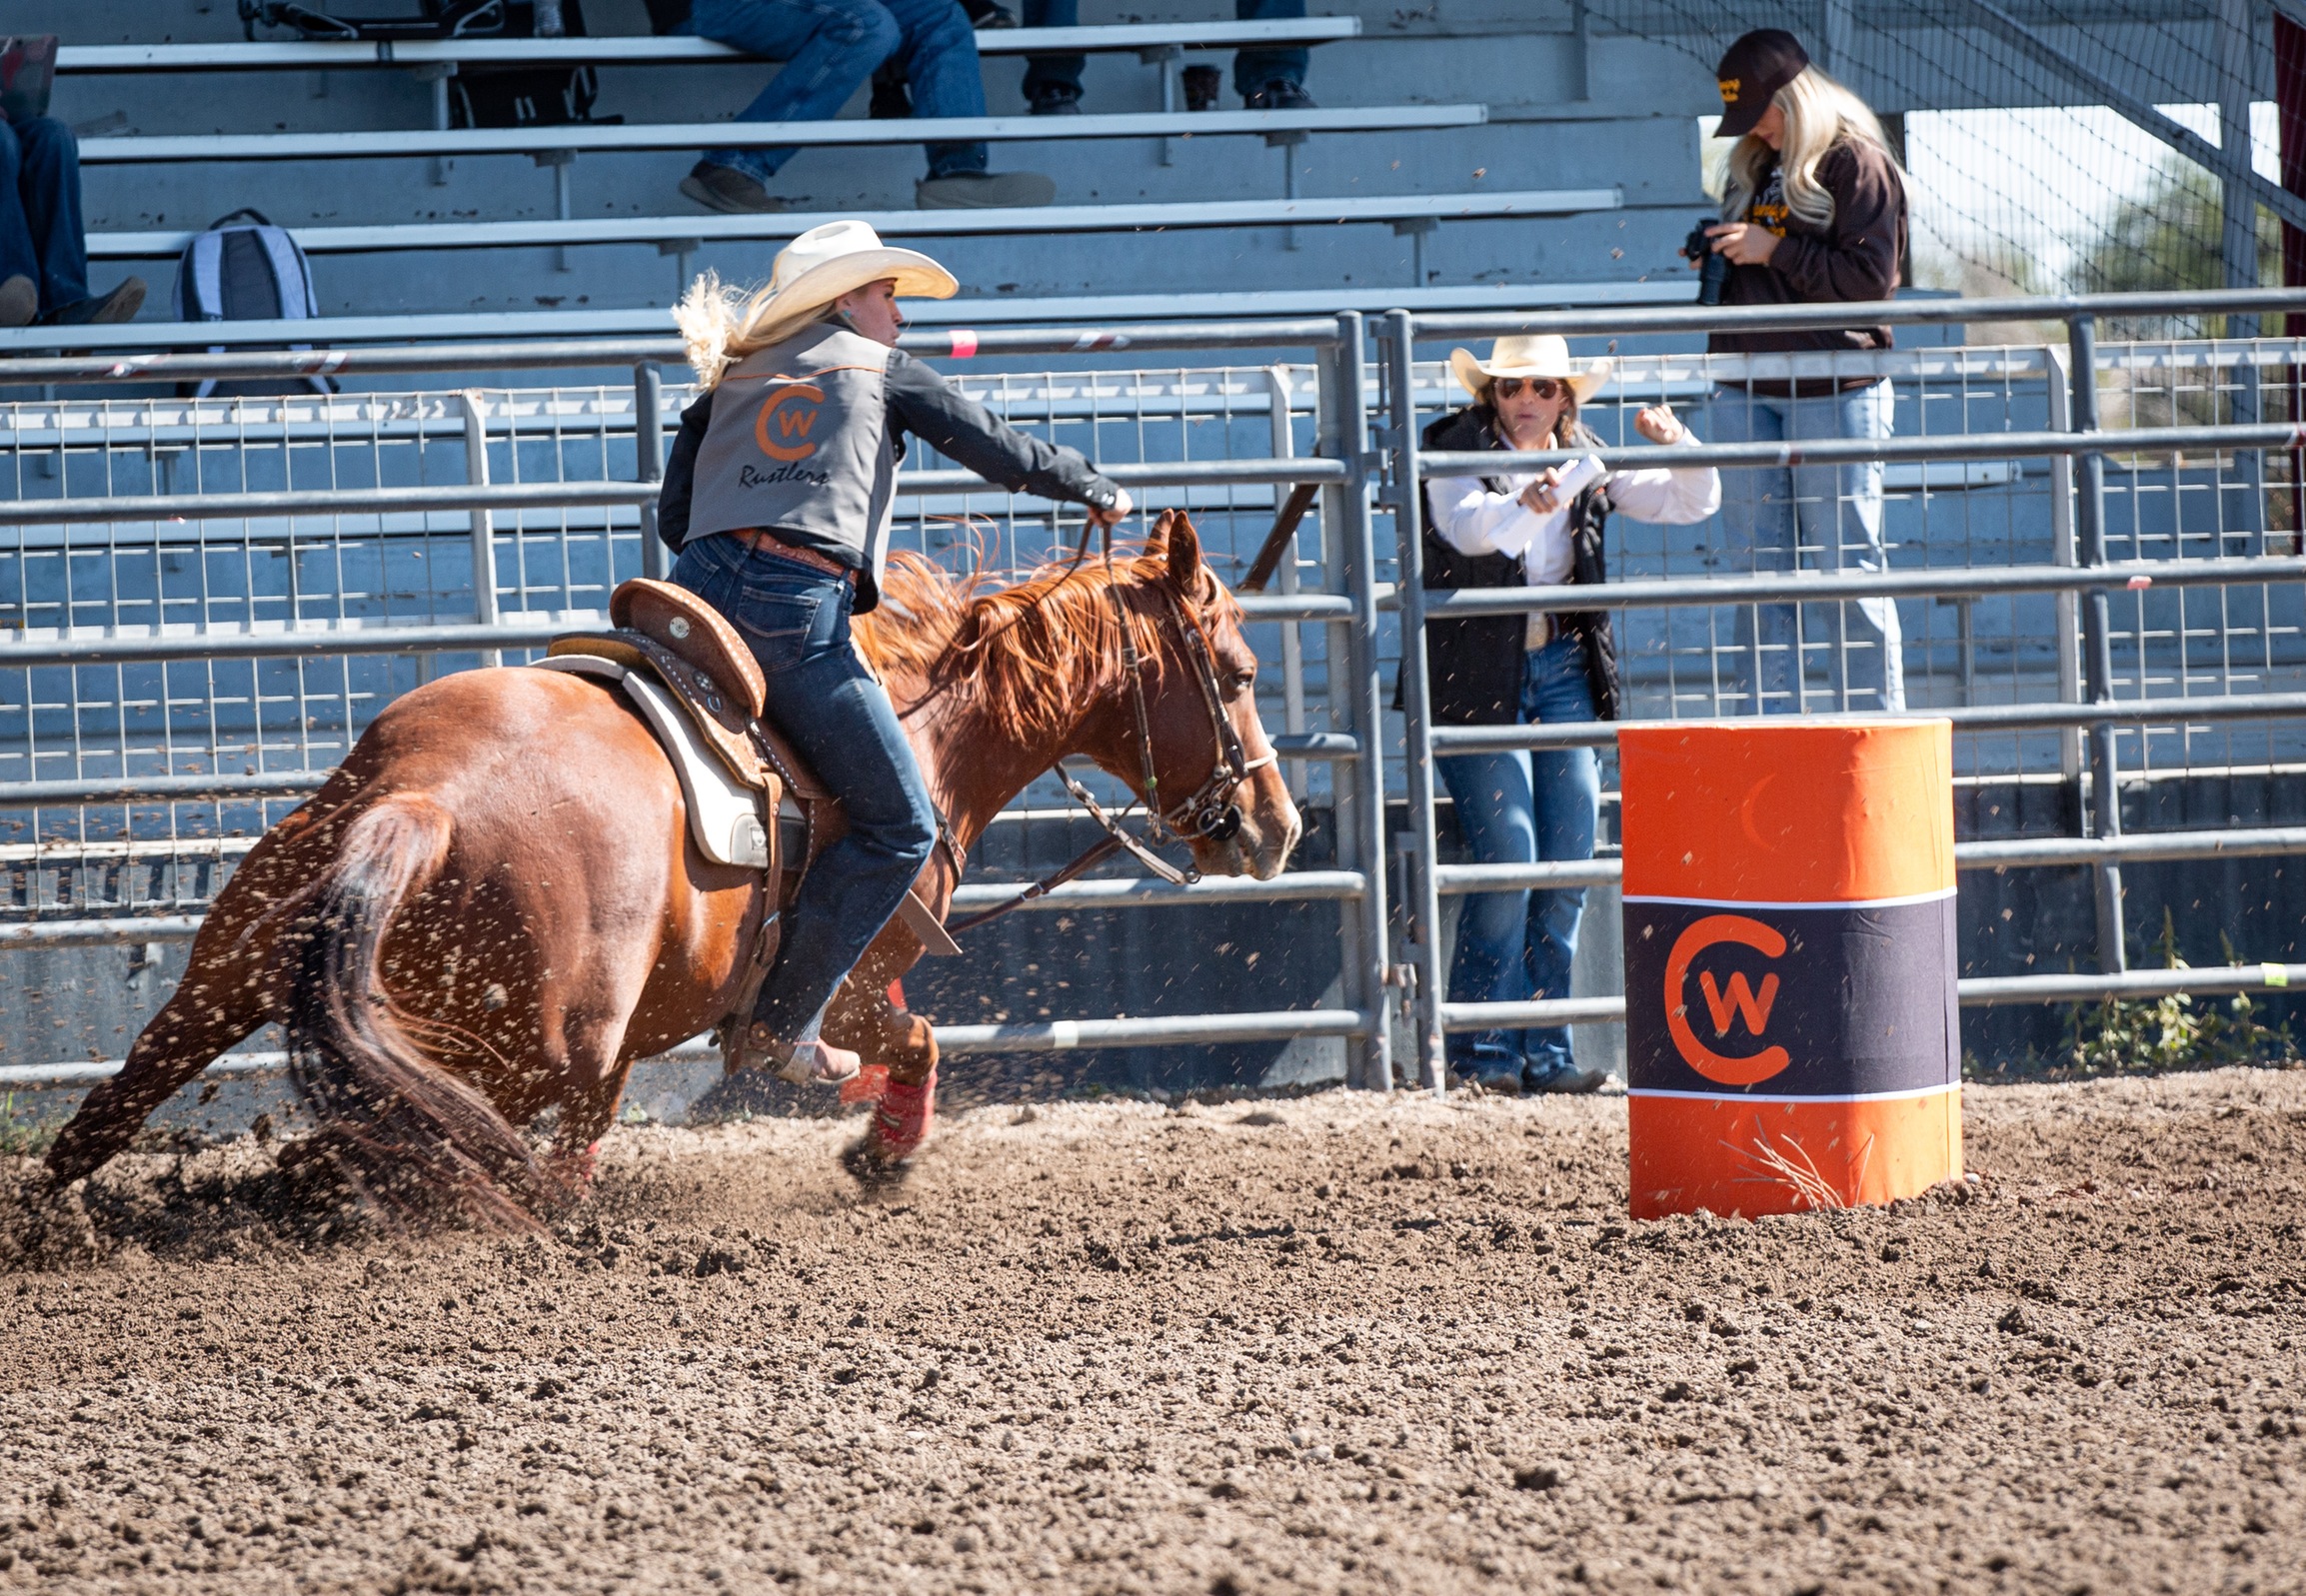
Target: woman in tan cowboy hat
1542 530
779 495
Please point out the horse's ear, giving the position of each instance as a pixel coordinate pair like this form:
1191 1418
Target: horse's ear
1184 552
1157 541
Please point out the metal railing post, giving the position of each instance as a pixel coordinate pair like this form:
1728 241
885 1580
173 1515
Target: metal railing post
649 457
1356 686
2056 379
484 521
1424 902
2097 637
1284 447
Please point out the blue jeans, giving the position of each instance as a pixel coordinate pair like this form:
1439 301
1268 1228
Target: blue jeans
1768 517
829 47
1252 69
839 719
40 229
1517 809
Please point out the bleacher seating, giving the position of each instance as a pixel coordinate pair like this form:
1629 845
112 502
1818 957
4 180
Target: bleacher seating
597 138
681 234
616 50
1165 203
955 313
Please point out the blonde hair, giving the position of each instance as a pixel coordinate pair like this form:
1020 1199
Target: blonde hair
722 323
1819 113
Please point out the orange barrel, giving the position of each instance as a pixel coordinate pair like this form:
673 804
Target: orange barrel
1792 1038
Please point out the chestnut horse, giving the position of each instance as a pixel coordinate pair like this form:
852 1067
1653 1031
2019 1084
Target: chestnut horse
495 904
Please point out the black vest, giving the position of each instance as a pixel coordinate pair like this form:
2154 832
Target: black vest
1474 664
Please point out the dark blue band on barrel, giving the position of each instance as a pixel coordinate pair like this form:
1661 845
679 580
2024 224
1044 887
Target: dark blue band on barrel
1731 1000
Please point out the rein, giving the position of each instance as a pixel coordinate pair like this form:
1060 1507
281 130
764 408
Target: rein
1209 814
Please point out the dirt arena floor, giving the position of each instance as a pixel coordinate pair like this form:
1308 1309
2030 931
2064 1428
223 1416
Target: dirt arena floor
1333 1343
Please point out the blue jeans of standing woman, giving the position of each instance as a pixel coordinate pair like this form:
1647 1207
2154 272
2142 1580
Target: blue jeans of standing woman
796 619
1518 809
1771 515
829 47
40 228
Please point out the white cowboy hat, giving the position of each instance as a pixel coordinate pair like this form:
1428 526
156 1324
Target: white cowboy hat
1545 355
839 257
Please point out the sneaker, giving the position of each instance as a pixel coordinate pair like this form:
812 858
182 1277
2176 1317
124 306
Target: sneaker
724 188
19 301
1491 1083
1281 94
1202 86
121 305
1490 1067
1562 1077
981 191
1056 102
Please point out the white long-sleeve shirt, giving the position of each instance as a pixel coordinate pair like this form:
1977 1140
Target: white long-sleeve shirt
1474 521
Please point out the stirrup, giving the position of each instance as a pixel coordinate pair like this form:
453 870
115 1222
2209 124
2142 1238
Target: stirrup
809 1064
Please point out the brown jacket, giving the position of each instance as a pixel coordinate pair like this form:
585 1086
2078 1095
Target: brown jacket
1853 256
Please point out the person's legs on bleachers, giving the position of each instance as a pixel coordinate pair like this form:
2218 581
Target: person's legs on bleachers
1053 82
1272 78
939 48
19 256
829 47
42 236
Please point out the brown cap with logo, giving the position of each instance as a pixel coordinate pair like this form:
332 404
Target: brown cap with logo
1758 65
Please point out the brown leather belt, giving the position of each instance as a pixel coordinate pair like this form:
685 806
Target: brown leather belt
761 542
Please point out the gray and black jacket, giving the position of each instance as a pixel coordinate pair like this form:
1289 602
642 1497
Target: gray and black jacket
807 443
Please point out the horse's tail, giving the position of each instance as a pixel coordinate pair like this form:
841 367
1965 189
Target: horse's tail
400 1129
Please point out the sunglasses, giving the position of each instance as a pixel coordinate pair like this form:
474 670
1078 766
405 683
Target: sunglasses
1541 388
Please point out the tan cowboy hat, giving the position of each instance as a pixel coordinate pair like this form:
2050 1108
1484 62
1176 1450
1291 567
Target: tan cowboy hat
1545 355
839 257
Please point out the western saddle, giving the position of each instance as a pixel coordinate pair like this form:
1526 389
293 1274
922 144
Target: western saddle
675 638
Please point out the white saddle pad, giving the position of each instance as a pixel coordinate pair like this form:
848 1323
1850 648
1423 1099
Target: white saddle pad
724 814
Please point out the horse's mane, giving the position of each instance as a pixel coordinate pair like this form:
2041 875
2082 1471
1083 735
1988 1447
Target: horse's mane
1029 653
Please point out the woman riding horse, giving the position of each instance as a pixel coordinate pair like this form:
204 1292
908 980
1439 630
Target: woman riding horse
779 495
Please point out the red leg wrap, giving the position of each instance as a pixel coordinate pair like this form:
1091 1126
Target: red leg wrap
901 1123
865 1085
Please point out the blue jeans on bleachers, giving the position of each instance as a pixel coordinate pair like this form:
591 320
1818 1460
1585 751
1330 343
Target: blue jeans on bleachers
1770 514
796 621
1252 69
41 234
829 47
1517 809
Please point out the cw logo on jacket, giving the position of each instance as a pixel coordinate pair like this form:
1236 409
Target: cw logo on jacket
789 413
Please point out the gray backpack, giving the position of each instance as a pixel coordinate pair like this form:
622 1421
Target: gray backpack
244 269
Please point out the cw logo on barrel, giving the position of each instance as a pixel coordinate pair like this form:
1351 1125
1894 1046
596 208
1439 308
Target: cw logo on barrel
1792 1034
1725 1006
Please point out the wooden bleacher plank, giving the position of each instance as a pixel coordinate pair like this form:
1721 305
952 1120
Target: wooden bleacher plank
597 138
642 50
162 245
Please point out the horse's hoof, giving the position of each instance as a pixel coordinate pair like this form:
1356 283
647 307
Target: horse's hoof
874 1169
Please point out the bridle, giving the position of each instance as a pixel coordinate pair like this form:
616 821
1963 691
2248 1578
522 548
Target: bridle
1209 814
